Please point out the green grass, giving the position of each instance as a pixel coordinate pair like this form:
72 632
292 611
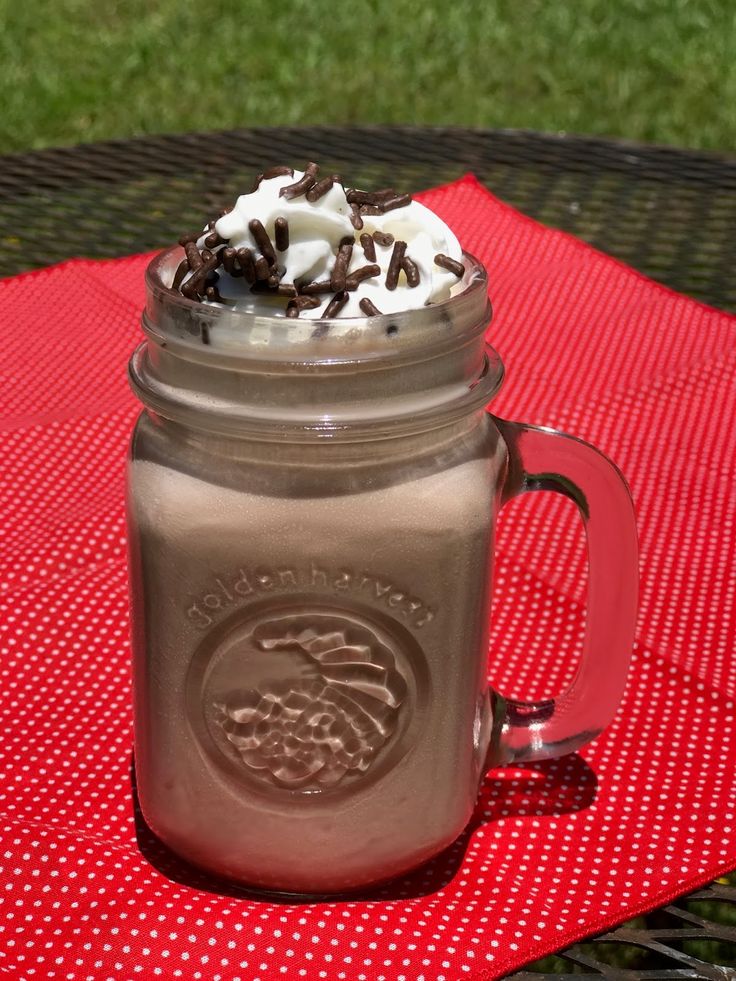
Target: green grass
654 70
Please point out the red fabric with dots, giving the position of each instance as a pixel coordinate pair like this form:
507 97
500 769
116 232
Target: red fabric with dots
554 851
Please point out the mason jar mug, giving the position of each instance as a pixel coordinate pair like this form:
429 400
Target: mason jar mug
311 513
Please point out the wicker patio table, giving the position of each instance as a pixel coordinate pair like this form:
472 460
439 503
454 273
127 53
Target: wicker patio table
669 213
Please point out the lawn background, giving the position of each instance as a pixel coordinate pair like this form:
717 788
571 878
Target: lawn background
652 70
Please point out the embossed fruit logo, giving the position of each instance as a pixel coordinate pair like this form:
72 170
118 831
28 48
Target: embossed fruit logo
307 698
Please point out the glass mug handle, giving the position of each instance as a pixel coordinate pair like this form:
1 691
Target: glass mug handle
544 459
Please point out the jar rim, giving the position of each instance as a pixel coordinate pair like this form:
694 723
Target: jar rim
236 372
224 335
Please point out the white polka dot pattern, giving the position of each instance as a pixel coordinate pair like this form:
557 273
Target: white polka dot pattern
555 850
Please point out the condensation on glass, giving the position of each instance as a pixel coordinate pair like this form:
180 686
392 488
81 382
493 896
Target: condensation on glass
311 528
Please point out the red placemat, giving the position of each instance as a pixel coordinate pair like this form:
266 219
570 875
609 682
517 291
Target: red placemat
556 850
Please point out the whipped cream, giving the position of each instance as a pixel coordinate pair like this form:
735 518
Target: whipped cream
316 231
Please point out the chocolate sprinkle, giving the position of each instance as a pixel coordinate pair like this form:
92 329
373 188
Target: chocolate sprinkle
263 242
377 202
281 234
335 305
318 190
184 240
194 258
213 240
263 270
228 261
212 293
356 220
399 201
181 270
369 197
205 333
383 238
357 277
303 184
274 288
412 271
278 171
369 308
450 264
394 266
245 260
295 306
193 286
340 269
369 247
316 287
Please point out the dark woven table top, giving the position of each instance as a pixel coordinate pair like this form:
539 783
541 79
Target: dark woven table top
670 213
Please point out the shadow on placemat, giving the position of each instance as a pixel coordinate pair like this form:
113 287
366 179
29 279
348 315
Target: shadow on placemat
544 790
685 939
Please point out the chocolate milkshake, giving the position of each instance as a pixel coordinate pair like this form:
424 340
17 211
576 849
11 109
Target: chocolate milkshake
312 497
